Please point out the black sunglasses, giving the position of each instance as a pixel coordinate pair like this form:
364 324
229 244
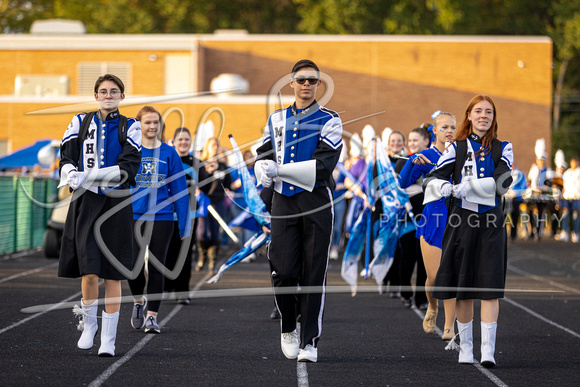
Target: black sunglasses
311 81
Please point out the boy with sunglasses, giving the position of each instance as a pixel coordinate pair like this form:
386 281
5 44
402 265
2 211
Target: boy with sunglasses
300 148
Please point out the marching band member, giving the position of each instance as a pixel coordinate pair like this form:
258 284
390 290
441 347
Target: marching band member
474 254
432 224
300 149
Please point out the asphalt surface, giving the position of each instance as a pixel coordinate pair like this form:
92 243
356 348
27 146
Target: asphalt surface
225 337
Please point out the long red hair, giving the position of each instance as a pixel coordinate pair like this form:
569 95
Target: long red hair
466 127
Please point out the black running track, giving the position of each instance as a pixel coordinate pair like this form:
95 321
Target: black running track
226 337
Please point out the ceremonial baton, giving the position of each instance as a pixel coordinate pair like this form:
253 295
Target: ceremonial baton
406 158
223 224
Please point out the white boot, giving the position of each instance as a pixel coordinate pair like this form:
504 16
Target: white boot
89 325
465 342
488 331
108 334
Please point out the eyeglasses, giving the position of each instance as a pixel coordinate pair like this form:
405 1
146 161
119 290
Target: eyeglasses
311 81
114 93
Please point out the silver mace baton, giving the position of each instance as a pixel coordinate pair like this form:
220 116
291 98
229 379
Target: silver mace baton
406 158
223 223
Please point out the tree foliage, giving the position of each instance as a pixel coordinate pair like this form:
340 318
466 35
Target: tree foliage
17 15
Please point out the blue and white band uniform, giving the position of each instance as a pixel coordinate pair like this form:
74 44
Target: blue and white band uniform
475 168
295 136
101 147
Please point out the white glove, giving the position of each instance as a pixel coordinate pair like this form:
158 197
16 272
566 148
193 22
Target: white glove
446 189
75 179
266 181
270 169
459 191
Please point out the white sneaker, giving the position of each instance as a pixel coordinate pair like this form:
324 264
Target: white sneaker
574 237
334 253
290 344
562 236
309 353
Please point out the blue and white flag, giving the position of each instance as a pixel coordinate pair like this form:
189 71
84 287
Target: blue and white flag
386 237
245 220
396 204
353 250
253 244
256 209
255 203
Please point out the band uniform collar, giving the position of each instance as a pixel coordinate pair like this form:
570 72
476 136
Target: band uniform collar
307 110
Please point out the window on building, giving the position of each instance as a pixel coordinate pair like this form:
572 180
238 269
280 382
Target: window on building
88 72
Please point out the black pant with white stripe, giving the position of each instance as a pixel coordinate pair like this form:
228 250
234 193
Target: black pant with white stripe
298 253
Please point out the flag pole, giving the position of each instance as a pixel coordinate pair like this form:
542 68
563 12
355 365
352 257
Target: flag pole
371 197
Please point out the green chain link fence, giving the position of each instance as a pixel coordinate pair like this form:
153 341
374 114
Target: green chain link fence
25 206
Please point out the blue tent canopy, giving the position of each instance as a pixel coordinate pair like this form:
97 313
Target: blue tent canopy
24 157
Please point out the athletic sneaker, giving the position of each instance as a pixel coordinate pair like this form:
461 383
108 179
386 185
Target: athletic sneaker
138 315
151 325
275 315
309 353
290 344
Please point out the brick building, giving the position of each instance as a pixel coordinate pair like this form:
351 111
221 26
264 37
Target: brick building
386 81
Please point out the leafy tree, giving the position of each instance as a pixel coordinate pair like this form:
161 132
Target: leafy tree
179 16
17 15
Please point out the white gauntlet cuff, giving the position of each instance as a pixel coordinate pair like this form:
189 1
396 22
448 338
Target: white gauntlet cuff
105 177
301 174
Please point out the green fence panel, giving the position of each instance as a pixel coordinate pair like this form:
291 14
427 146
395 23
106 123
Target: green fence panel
7 214
24 189
40 210
25 207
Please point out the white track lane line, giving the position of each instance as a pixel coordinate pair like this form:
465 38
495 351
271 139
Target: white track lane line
540 317
490 375
102 378
19 254
132 352
301 369
32 271
540 279
55 306
302 374
48 309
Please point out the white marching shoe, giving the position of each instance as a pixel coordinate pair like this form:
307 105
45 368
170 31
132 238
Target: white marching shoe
488 331
309 354
108 334
290 343
88 324
465 342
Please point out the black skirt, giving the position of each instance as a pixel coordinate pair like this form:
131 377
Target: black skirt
474 257
102 254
